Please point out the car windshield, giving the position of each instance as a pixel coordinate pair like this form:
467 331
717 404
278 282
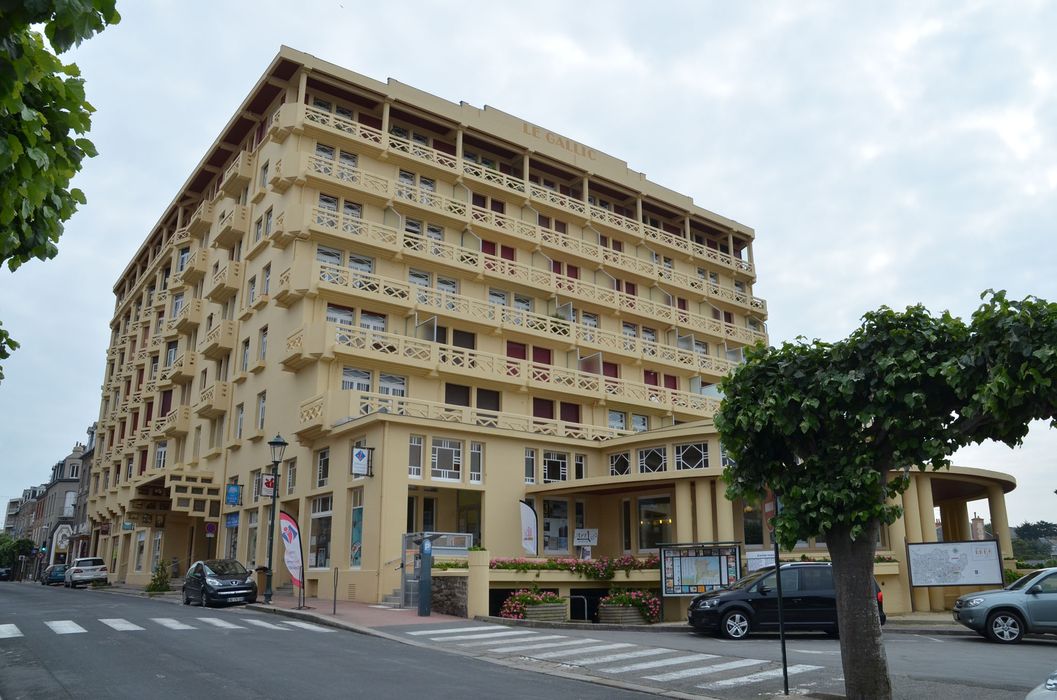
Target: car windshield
750 579
1021 582
226 567
89 562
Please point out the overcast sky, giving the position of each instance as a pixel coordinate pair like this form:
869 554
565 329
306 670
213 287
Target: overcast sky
885 153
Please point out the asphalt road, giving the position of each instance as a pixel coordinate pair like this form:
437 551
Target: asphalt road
62 643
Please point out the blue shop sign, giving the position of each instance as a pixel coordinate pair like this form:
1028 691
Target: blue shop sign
233 494
232 520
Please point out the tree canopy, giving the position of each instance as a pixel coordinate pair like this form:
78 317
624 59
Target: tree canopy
830 426
43 115
1037 531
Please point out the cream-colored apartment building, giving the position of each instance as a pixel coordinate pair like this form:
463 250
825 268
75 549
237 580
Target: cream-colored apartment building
499 312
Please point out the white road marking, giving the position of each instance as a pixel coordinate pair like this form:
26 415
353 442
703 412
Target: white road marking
450 630
815 651
522 637
9 631
931 639
520 647
620 657
382 607
265 625
549 645
171 623
120 625
757 677
307 626
482 635
582 650
64 627
705 670
223 624
674 661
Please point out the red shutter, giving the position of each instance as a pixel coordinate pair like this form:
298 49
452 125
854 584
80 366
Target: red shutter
542 408
618 246
149 413
570 412
142 461
479 200
649 377
572 271
541 356
166 403
488 247
556 267
507 253
517 351
610 369
681 303
630 288
498 206
671 382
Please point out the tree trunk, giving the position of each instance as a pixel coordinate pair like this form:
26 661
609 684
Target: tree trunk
861 646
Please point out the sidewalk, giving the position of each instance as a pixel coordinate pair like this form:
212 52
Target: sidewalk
369 619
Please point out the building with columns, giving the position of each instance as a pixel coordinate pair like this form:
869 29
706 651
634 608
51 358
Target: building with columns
498 313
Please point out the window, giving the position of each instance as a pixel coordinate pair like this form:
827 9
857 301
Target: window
555 466
640 423
372 321
268 222
262 344
620 464
555 527
261 399
446 462
266 278
322 467
353 379
653 459
655 522
356 529
530 465
618 420
159 454
414 457
155 550
244 355
291 475
360 263
177 304
456 394
691 456
255 477
476 462
182 257
240 413
251 289
752 524
319 541
392 384
724 460
170 353
141 544
341 315
581 466
251 537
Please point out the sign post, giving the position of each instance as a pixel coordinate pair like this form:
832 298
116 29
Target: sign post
425 577
775 506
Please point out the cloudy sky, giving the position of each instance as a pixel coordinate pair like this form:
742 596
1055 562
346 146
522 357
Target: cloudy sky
885 153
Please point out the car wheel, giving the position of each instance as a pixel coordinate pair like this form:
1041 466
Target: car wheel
203 600
187 599
735 625
1005 627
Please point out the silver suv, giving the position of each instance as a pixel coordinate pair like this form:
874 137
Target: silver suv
85 571
1029 604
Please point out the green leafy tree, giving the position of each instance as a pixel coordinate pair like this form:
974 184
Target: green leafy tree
831 427
1029 550
1037 531
43 113
10 549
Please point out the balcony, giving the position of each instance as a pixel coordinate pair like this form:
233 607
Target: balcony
225 283
219 340
431 201
421 153
335 124
331 172
181 371
507 184
238 174
177 423
233 227
555 200
320 414
202 219
189 317
214 400
194 269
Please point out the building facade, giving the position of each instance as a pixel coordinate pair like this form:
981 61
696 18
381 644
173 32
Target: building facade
496 312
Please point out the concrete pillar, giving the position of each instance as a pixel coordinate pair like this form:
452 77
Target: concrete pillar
724 514
706 531
477 584
684 512
896 538
911 520
927 514
960 519
996 503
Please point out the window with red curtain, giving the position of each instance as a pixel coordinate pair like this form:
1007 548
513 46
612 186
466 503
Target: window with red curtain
488 247
148 413
671 382
542 408
166 403
570 412
541 356
507 253
518 351
610 369
650 377
142 461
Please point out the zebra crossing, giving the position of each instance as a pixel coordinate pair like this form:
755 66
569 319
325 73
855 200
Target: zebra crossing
623 660
117 624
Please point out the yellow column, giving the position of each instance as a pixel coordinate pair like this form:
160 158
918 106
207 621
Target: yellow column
477 584
684 512
706 531
724 514
896 537
912 523
927 512
960 519
996 503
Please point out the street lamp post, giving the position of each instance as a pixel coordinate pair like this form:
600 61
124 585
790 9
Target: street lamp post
278 446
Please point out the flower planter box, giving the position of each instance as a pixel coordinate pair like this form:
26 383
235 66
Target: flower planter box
547 612
620 615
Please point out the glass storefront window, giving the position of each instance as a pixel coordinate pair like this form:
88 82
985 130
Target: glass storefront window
655 522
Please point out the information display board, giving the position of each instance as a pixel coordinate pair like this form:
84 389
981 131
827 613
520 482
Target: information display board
972 563
690 569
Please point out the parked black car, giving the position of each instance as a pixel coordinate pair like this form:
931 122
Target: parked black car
219 581
809 602
5 573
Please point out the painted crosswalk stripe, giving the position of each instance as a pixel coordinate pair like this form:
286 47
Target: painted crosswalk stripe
757 677
660 663
171 623
521 637
450 630
120 625
64 626
307 626
482 635
546 645
705 670
265 625
623 656
9 631
223 624
520 647
582 650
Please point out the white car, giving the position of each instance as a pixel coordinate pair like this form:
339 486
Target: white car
84 571
1047 690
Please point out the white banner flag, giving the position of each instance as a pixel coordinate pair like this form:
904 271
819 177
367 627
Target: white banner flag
291 535
528 529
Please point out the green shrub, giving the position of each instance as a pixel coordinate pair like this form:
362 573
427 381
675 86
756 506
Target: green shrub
159 582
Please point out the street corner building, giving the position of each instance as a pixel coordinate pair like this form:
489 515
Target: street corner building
492 312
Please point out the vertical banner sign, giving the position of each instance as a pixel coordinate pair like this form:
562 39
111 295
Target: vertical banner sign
528 529
267 485
291 536
361 461
232 494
